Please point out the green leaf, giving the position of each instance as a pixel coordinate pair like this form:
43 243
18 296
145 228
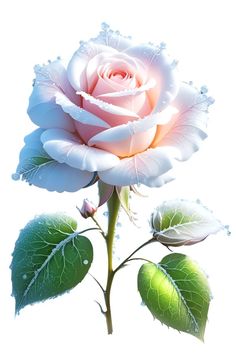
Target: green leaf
176 291
183 222
49 258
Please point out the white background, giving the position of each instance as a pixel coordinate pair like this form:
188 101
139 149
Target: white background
201 34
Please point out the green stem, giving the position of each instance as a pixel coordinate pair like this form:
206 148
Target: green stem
113 209
135 251
99 226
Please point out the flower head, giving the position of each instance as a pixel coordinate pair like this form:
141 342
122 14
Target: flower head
117 112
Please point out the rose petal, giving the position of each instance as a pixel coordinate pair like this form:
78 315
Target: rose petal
107 107
157 182
131 92
187 128
112 61
114 138
53 175
42 109
160 67
77 65
142 168
78 113
134 144
67 148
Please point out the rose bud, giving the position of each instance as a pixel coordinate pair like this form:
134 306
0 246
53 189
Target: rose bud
88 209
183 222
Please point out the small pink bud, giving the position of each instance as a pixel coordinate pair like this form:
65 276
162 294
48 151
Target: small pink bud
88 209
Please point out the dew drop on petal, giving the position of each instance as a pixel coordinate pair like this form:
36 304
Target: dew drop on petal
162 45
174 63
204 89
210 100
85 261
104 26
24 276
15 176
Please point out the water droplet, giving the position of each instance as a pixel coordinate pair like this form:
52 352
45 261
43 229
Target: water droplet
85 261
174 63
162 45
118 224
15 176
49 61
58 57
24 276
210 100
106 213
104 26
227 230
143 303
204 89
117 237
196 330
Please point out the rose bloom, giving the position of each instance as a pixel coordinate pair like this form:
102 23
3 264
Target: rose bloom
117 113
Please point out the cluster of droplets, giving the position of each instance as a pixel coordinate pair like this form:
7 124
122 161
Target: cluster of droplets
106 36
203 101
44 75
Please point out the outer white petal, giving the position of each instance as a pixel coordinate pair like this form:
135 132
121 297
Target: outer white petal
79 61
68 148
187 129
159 66
51 175
107 107
43 109
79 114
142 168
161 180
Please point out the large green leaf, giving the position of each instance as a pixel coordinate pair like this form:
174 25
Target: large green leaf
49 258
176 291
183 222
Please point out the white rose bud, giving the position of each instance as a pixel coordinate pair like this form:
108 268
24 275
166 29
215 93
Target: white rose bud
88 209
